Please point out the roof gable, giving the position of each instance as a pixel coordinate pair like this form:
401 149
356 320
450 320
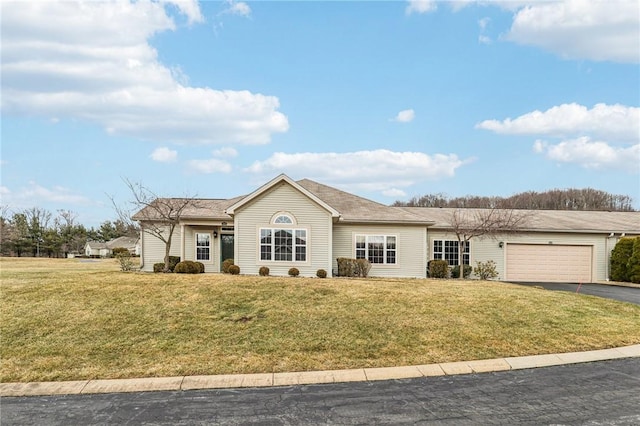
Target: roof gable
271 184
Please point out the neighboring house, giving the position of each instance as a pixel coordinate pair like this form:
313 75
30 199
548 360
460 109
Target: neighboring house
307 225
99 249
131 244
96 249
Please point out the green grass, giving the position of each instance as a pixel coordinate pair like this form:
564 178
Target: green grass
68 320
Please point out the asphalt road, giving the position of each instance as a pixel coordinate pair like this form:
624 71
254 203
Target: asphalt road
624 294
599 393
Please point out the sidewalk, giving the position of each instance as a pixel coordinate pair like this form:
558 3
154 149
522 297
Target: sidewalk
310 377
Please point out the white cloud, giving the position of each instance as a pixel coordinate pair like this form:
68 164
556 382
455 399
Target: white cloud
35 195
581 29
394 192
573 29
483 24
208 166
405 116
164 155
590 154
189 8
226 152
618 122
378 170
237 8
92 61
420 6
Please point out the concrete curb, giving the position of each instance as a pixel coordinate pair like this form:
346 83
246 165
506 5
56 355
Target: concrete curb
310 377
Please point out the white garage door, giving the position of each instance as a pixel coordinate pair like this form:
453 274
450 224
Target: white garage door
548 263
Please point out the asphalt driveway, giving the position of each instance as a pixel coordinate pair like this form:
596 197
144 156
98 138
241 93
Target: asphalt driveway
624 294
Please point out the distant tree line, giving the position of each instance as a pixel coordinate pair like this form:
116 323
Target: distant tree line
36 232
555 199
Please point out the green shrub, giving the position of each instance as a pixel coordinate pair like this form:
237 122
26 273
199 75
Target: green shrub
124 259
455 271
294 272
486 270
201 267
321 273
438 269
264 271
226 264
187 267
620 256
158 267
233 269
633 265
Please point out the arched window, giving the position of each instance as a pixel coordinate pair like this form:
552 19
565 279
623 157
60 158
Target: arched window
283 240
283 219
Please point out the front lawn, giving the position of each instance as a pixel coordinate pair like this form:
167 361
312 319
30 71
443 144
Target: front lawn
72 319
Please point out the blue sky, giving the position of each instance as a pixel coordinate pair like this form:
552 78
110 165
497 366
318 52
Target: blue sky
387 100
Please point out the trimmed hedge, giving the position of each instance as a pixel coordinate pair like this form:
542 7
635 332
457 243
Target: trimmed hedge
348 267
294 272
264 271
234 269
173 261
438 269
321 273
455 271
189 267
226 264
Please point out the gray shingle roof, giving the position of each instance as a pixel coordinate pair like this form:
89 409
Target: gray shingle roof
551 220
357 209
126 242
203 208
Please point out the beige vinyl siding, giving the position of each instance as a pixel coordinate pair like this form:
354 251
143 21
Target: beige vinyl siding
411 258
213 265
484 249
153 249
258 214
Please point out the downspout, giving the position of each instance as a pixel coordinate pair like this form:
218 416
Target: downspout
182 242
141 247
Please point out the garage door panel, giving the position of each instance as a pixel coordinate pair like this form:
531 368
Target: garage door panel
548 263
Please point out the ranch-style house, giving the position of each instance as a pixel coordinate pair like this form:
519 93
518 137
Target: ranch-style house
308 225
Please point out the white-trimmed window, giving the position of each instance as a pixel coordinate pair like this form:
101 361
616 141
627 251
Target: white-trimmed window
203 246
283 245
283 219
377 248
448 250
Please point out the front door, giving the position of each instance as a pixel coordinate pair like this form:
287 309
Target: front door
226 248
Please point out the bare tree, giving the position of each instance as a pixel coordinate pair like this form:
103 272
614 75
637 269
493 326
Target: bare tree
554 199
158 216
493 222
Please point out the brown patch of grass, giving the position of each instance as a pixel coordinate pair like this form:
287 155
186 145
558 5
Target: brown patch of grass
67 320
